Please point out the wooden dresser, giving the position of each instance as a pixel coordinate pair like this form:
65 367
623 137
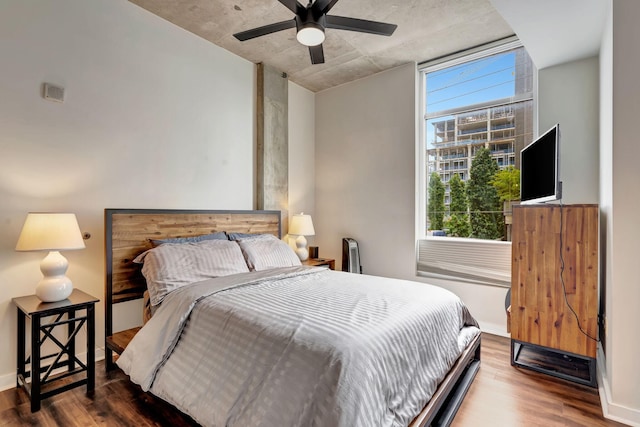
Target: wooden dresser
555 265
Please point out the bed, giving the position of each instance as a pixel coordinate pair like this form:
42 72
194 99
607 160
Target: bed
291 345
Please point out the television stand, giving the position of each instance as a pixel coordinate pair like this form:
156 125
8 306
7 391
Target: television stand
554 266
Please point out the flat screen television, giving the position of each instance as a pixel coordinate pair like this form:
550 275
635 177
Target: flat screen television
539 169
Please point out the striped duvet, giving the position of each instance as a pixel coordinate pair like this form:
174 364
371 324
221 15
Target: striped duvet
300 347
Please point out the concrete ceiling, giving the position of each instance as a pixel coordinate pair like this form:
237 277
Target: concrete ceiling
427 29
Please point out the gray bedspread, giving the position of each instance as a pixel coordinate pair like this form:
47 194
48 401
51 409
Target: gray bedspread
300 347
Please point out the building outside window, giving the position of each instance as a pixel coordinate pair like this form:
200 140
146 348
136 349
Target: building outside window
477 115
481 104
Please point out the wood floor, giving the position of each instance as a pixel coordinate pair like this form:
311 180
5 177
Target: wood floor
500 396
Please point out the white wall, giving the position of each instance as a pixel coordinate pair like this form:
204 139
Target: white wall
154 117
620 204
365 144
568 94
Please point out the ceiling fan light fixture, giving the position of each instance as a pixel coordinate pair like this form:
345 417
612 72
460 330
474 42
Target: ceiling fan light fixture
310 34
311 21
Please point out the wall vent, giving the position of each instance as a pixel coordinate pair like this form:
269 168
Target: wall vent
53 93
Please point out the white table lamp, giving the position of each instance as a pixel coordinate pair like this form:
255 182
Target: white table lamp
301 225
53 232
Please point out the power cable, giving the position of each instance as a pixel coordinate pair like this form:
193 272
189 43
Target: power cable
447 86
564 288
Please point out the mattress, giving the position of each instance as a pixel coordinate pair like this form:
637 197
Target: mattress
300 347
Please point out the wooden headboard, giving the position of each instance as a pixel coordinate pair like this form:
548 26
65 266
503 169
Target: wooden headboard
128 233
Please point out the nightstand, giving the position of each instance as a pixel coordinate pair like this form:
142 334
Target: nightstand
45 318
320 262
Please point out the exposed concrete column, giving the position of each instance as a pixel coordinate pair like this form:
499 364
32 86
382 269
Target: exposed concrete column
272 150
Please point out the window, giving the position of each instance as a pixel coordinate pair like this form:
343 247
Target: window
477 116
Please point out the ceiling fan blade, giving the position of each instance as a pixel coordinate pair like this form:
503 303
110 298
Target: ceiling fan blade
294 6
360 25
323 6
317 54
264 30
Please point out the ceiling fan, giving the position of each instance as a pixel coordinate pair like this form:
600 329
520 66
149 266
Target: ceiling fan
311 22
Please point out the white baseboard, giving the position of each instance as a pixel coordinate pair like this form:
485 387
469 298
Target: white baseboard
494 329
611 410
8 381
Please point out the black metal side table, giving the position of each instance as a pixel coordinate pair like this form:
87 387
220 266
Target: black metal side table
45 317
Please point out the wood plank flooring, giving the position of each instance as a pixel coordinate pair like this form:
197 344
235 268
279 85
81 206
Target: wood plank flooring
500 396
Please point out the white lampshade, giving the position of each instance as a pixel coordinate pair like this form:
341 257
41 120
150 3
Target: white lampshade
301 225
45 231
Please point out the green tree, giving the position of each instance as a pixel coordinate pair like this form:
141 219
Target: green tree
507 183
458 222
485 212
435 207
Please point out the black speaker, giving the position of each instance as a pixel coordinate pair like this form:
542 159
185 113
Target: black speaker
313 252
350 256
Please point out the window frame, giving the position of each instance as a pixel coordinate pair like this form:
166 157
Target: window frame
498 270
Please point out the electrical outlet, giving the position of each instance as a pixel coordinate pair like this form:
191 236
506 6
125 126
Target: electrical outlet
602 325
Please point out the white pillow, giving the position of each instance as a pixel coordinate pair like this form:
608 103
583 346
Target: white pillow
173 265
267 251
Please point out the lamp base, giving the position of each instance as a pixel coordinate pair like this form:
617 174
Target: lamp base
55 285
52 289
301 248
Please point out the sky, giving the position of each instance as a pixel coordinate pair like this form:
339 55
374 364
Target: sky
471 83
